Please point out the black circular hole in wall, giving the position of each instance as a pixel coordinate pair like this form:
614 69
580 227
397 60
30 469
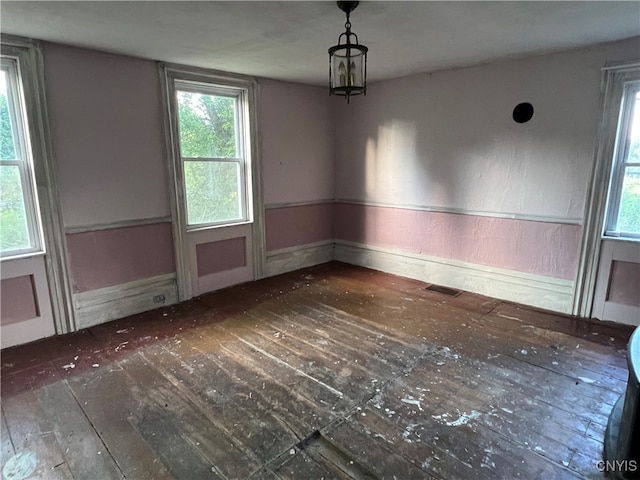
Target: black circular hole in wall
523 112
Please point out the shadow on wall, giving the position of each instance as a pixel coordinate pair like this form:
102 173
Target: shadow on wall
488 170
396 174
390 160
399 166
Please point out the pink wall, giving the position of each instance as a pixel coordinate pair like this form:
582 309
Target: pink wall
298 225
625 283
446 141
214 257
496 242
106 118
106 124
110 257
443 140
297 154
17 300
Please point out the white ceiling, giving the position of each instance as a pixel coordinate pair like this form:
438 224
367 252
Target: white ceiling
289 40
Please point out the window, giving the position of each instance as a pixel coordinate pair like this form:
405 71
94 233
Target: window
212 148
623 211
20 231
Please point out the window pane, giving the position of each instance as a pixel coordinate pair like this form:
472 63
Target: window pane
14 231
213 192
629 212
207 126
7 147
634 133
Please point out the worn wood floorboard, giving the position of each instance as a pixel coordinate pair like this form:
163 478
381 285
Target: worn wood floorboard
332 372
106 395
31 432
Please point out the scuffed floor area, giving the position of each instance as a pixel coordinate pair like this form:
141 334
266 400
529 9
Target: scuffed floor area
333 372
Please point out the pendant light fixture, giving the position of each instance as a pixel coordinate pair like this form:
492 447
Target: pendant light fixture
348 61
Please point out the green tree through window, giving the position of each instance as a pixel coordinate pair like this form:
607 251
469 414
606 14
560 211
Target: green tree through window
7 149
629 211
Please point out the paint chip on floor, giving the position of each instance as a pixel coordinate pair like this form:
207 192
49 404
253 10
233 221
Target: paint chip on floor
462 420
412 401
586 380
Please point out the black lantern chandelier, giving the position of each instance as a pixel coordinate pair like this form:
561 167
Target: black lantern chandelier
348 61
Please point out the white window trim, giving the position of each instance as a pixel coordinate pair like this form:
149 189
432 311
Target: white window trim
217 81
612 89
31 64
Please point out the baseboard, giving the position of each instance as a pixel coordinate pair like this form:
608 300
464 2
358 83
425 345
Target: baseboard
294 258
119 301
540 291
110 303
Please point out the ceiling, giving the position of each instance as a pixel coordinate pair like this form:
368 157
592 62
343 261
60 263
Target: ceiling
289 40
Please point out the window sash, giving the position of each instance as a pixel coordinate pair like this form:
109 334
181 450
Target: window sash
621 161
219 91
242 194
24 160
241 140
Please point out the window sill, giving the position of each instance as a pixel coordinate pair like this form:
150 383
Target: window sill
618 238
23 256
202 228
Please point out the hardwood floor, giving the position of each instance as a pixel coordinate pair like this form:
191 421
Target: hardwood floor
332 372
